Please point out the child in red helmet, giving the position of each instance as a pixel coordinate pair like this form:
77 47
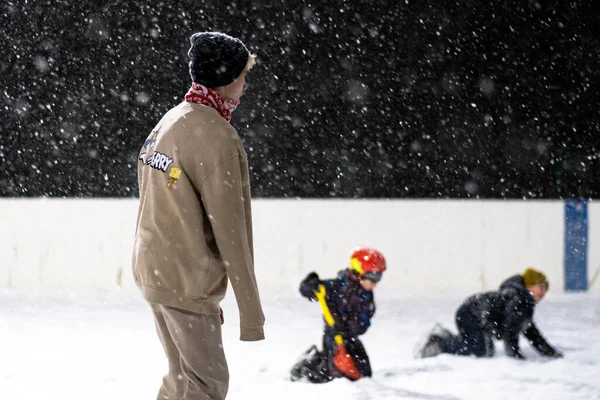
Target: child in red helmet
348 306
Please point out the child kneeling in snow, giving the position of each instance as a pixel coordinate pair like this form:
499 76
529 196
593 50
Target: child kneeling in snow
503 314
348 305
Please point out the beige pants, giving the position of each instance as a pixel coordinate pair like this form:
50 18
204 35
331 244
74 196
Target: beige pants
193 345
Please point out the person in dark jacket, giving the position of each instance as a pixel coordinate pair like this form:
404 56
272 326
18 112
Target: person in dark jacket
349 299
502 315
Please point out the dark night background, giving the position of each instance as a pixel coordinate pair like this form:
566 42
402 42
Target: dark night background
467 98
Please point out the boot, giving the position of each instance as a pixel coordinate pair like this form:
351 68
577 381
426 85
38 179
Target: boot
432 347
313 366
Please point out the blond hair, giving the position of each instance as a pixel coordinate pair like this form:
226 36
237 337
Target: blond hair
251 62
533 277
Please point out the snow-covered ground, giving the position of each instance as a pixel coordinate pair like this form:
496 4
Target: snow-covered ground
102 345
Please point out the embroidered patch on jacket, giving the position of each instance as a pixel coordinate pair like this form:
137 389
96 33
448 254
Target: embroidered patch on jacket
149 144
158 161
151 141
174 175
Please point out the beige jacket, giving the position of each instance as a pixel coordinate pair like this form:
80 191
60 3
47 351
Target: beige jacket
194 227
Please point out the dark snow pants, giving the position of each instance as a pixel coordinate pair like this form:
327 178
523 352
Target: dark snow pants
193 345
471 338
317 366
355 349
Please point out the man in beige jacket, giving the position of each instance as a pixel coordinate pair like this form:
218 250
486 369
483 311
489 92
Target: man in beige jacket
194 227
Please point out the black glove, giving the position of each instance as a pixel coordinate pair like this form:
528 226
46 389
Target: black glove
312 281
309 285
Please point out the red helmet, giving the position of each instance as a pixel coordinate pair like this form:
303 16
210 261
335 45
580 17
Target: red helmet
368 263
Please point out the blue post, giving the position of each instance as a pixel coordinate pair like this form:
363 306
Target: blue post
576 244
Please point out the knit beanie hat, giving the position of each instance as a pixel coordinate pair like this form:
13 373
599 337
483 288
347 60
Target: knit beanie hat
532 277
216 59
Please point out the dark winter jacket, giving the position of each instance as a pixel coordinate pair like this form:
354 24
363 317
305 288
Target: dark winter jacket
351 306
508 312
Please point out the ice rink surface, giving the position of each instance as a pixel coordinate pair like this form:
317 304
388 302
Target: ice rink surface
102 345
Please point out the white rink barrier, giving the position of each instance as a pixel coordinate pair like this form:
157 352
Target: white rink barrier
430 245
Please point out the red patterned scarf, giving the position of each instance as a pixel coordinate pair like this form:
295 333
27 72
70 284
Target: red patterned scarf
208 97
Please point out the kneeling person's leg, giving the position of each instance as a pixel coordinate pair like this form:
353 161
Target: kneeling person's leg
314 367
473 339
357 351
